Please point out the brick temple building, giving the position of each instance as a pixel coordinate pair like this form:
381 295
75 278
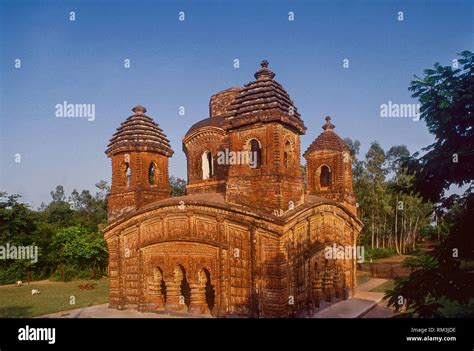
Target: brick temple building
249 236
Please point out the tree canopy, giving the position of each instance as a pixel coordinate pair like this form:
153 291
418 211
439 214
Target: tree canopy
442 280
446 96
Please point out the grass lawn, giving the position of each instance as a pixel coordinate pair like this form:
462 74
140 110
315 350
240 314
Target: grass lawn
54 297
362 277
388 285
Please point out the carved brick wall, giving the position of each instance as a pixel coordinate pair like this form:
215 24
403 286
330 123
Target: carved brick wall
276 269
274 184
239 268
271 278
128 196
211 141
114 271
306 243
129 274
219 103
340 166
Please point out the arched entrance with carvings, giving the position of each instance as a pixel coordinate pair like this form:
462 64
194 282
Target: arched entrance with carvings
210 292
185 289
159 285
190 273
160 282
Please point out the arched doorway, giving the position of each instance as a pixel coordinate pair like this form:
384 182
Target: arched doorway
325 177
152 174
185 289
162 284
210 292
207 165
256 151
127 174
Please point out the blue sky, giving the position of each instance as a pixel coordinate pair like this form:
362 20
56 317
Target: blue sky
176 63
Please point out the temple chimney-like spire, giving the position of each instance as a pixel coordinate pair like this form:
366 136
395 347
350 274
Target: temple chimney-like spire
264 72
328 125
139 110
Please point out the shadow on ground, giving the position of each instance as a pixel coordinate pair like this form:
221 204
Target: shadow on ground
15 312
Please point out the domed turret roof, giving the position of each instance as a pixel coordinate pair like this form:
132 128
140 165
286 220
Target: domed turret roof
139 131
267 98
327 140
216 122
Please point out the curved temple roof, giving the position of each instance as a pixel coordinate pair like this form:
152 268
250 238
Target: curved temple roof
207 122
139 130
261 100
327 140
263 94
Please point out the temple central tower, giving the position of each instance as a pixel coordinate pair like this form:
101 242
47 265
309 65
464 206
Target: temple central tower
263 121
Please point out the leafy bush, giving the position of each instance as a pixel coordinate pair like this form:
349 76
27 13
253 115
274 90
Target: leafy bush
67 234
65 274
11 273
435 288
454 309
73 272
79 253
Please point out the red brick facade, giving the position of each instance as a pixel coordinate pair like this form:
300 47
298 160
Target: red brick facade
329 151
137 146
246 239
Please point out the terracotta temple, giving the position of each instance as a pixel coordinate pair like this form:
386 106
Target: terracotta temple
250 235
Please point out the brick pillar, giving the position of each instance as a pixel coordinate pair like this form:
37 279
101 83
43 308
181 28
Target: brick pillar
318 287
174 299
254 298
337 282
173 296
328 284
224 281
114 272
198 303
155 297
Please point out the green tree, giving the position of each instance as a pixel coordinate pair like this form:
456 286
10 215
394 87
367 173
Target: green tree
357 165
77 250
17 222
395 157
393 219
58 212
177 186
21 226
439 279
446 96
375 159
58 194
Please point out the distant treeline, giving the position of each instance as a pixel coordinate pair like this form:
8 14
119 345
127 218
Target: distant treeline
66 231
394 216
